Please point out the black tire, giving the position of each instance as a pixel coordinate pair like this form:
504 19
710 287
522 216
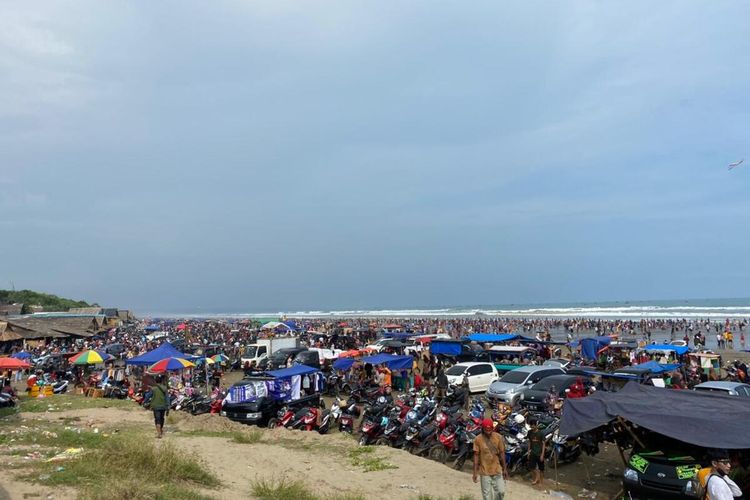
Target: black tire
438 453
363 440
382 442
460 462
273 423
346 389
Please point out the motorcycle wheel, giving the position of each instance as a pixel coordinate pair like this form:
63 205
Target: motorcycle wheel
459 463
363 440
438 453
382 442
273 423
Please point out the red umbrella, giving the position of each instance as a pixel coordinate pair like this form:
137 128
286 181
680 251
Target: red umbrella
13 364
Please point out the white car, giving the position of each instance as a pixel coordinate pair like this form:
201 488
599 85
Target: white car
481 375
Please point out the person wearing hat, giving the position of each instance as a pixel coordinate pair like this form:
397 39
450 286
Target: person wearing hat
489 462
717 483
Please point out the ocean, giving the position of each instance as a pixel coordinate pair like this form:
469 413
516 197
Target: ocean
714 309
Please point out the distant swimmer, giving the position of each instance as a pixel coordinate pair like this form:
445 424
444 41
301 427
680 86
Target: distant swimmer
736 164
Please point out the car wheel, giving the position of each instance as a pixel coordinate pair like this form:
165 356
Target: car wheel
438 453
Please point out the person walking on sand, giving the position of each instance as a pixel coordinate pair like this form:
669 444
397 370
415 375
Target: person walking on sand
489 462
159 403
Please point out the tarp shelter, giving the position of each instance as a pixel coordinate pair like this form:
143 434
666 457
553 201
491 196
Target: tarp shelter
699 418
590 347
392 361
273 325
446 347
677 349
166 350
152 328
655 367
491 337
22 355
292 325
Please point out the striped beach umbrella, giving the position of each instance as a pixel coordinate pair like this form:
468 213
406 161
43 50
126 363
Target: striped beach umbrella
90 357
204 359
170 364
220 358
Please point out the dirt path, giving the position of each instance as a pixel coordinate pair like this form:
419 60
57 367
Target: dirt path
322 462
326 469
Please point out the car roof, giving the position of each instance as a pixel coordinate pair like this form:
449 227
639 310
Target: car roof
562 377
472 363
723 385
535 368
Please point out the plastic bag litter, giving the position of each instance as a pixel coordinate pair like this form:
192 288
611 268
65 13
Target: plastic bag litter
561 495
66 455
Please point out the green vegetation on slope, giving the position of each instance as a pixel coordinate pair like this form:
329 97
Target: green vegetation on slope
48 301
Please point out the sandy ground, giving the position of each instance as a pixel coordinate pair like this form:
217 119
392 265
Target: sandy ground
320 461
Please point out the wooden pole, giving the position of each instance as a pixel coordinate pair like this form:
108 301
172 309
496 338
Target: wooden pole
622 422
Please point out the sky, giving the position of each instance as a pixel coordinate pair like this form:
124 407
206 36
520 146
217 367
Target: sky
240 156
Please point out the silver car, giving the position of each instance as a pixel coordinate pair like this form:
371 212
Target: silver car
508 388
731 388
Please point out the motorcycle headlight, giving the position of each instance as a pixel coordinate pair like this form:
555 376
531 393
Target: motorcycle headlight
522 397
630 475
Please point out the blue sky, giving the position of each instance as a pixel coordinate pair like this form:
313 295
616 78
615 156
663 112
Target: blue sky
248 156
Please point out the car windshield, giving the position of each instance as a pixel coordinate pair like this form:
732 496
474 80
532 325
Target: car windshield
279 355
250 351
546 383
514 377
455 370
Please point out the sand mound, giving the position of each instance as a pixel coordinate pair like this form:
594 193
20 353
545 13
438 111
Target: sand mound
207 423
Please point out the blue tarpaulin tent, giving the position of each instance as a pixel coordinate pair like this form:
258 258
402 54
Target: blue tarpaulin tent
491 337
292 324
166 350
292 371
656 367
446 347
392 361
22 355
152 328
590 347
678 349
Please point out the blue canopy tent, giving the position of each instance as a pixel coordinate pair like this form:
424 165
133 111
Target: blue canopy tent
292 370
655 367
446 347
292 325
391 361
491 337
590 347
22 355
166 350
152 328
679 350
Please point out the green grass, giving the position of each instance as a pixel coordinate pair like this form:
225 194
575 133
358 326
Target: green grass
365 457
54 436
286 489
136 490
6 412
130 459
64 402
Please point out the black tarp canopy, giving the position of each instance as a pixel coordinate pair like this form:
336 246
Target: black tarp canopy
703 419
